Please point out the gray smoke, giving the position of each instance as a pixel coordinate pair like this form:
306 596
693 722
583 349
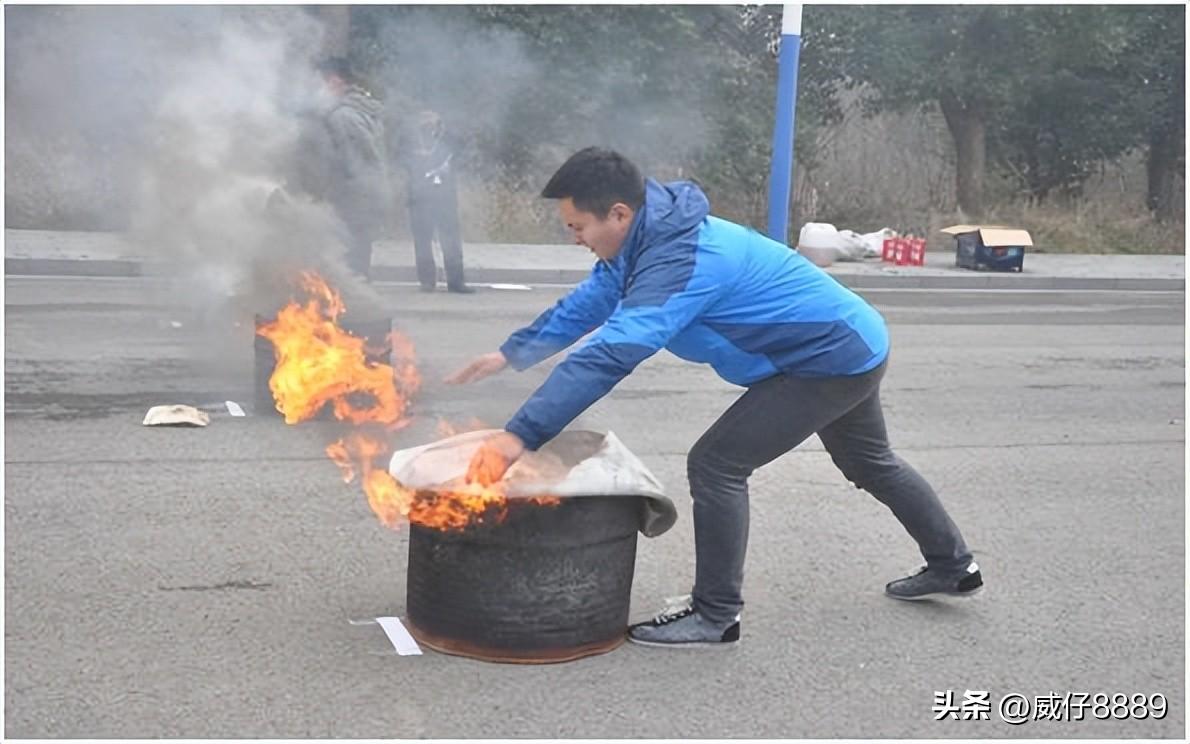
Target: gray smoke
81 85
177 124
610 107
486 81
212 197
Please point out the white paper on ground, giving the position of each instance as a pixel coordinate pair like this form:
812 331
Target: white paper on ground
521 287
234 408
400 638
179 415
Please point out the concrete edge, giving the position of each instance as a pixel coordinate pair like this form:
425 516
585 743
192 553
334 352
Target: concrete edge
1011 281
72 267
976 280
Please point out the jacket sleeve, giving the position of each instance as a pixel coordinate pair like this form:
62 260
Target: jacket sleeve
312 160
660 304
575 315
357 140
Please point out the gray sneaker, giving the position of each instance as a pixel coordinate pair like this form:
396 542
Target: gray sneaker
679 625
926 583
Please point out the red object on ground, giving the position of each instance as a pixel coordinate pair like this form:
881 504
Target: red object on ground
904 251
917 252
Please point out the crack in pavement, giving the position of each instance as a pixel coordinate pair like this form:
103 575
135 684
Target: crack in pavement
217 587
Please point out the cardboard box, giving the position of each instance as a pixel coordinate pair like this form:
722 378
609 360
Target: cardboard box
995 247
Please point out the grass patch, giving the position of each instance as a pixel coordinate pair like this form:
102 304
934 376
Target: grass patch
1082 229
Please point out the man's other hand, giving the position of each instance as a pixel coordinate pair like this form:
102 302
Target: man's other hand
479 368
494 457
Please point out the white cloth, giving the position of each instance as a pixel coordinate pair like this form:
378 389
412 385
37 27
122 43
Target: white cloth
841 245
574 464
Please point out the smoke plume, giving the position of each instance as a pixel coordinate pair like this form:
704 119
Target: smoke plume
214 196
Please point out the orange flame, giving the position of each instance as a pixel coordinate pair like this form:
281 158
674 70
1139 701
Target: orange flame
487 467
389 500
317 363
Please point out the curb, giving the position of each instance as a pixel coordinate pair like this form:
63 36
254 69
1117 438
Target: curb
976 280
71 267
1012 281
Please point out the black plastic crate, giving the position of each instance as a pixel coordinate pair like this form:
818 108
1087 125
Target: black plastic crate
971 253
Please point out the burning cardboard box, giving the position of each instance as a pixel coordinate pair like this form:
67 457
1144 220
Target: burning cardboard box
994 247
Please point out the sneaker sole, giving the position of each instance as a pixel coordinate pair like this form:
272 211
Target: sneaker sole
931 595
688 644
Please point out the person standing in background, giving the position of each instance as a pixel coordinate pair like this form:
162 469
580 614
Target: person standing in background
342 160
427 154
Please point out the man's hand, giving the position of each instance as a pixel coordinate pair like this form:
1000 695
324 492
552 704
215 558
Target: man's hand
494 457
479 368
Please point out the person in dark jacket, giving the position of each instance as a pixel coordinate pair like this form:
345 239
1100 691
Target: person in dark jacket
342 160
427 154
809 352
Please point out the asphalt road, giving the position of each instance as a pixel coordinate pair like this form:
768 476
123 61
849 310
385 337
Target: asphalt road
198 582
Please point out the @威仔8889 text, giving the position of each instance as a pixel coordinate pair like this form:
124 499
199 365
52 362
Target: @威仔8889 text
1016 709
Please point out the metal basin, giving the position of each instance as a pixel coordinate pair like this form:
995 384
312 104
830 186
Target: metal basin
549 584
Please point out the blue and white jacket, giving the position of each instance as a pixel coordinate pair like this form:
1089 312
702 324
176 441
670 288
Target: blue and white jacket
706 289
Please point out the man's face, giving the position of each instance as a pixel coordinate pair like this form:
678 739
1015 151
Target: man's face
603 236
334 84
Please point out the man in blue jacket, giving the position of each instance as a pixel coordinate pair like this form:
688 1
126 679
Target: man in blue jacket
809 351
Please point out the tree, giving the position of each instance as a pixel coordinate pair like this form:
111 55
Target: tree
698 80
1026 85
1155 75
1107 80
950 56
736 162
612 74
1075 109
687 91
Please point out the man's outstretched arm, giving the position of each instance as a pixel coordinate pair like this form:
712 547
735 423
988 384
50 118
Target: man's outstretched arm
581 311
659 307
585 308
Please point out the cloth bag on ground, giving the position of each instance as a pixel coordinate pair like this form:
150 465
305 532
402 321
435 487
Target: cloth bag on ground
823 240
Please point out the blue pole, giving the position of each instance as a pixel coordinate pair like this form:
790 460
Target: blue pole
782 168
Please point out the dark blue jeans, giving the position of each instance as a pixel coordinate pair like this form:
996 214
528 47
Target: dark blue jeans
773 417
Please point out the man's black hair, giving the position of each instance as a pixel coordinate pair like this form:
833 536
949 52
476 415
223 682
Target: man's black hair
596 179
337 66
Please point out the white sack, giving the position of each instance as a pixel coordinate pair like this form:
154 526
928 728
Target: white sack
574 464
